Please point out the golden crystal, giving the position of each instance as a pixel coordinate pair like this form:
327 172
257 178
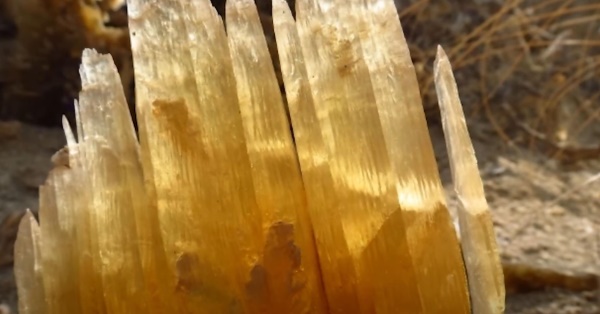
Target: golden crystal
383 176
28 269
221 208
486 281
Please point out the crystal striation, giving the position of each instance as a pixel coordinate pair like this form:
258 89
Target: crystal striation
222 206
486 281
28 268
384 194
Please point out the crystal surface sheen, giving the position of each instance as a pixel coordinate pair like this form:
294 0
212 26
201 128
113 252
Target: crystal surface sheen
223 206
389 196
249 234
291 282
477 234
28 271
191 129
339 273
108 153
59 198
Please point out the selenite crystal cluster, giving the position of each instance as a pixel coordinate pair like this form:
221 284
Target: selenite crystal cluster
222 206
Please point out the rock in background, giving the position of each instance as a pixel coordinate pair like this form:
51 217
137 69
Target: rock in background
41 43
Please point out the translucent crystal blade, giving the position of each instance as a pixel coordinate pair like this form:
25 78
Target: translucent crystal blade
59 248
28 267
109 161
276 177
221 208
119 198
360 74
338 269
364 184
432 240
477 235
192 130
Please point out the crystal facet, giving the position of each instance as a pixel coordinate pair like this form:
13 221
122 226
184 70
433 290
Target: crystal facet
28 268
478 240
223 207
354 70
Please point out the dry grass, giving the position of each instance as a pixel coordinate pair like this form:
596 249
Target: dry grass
529 67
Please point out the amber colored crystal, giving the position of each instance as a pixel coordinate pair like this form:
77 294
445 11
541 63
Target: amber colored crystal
486 281
223 207
59 242
28 268
290 280
397 238
107 155
240 229
195 153
338 272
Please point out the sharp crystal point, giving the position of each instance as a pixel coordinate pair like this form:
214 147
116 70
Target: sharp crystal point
224 207
28 269
381 94
70 137
339 274
96 69
477 236
273 162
